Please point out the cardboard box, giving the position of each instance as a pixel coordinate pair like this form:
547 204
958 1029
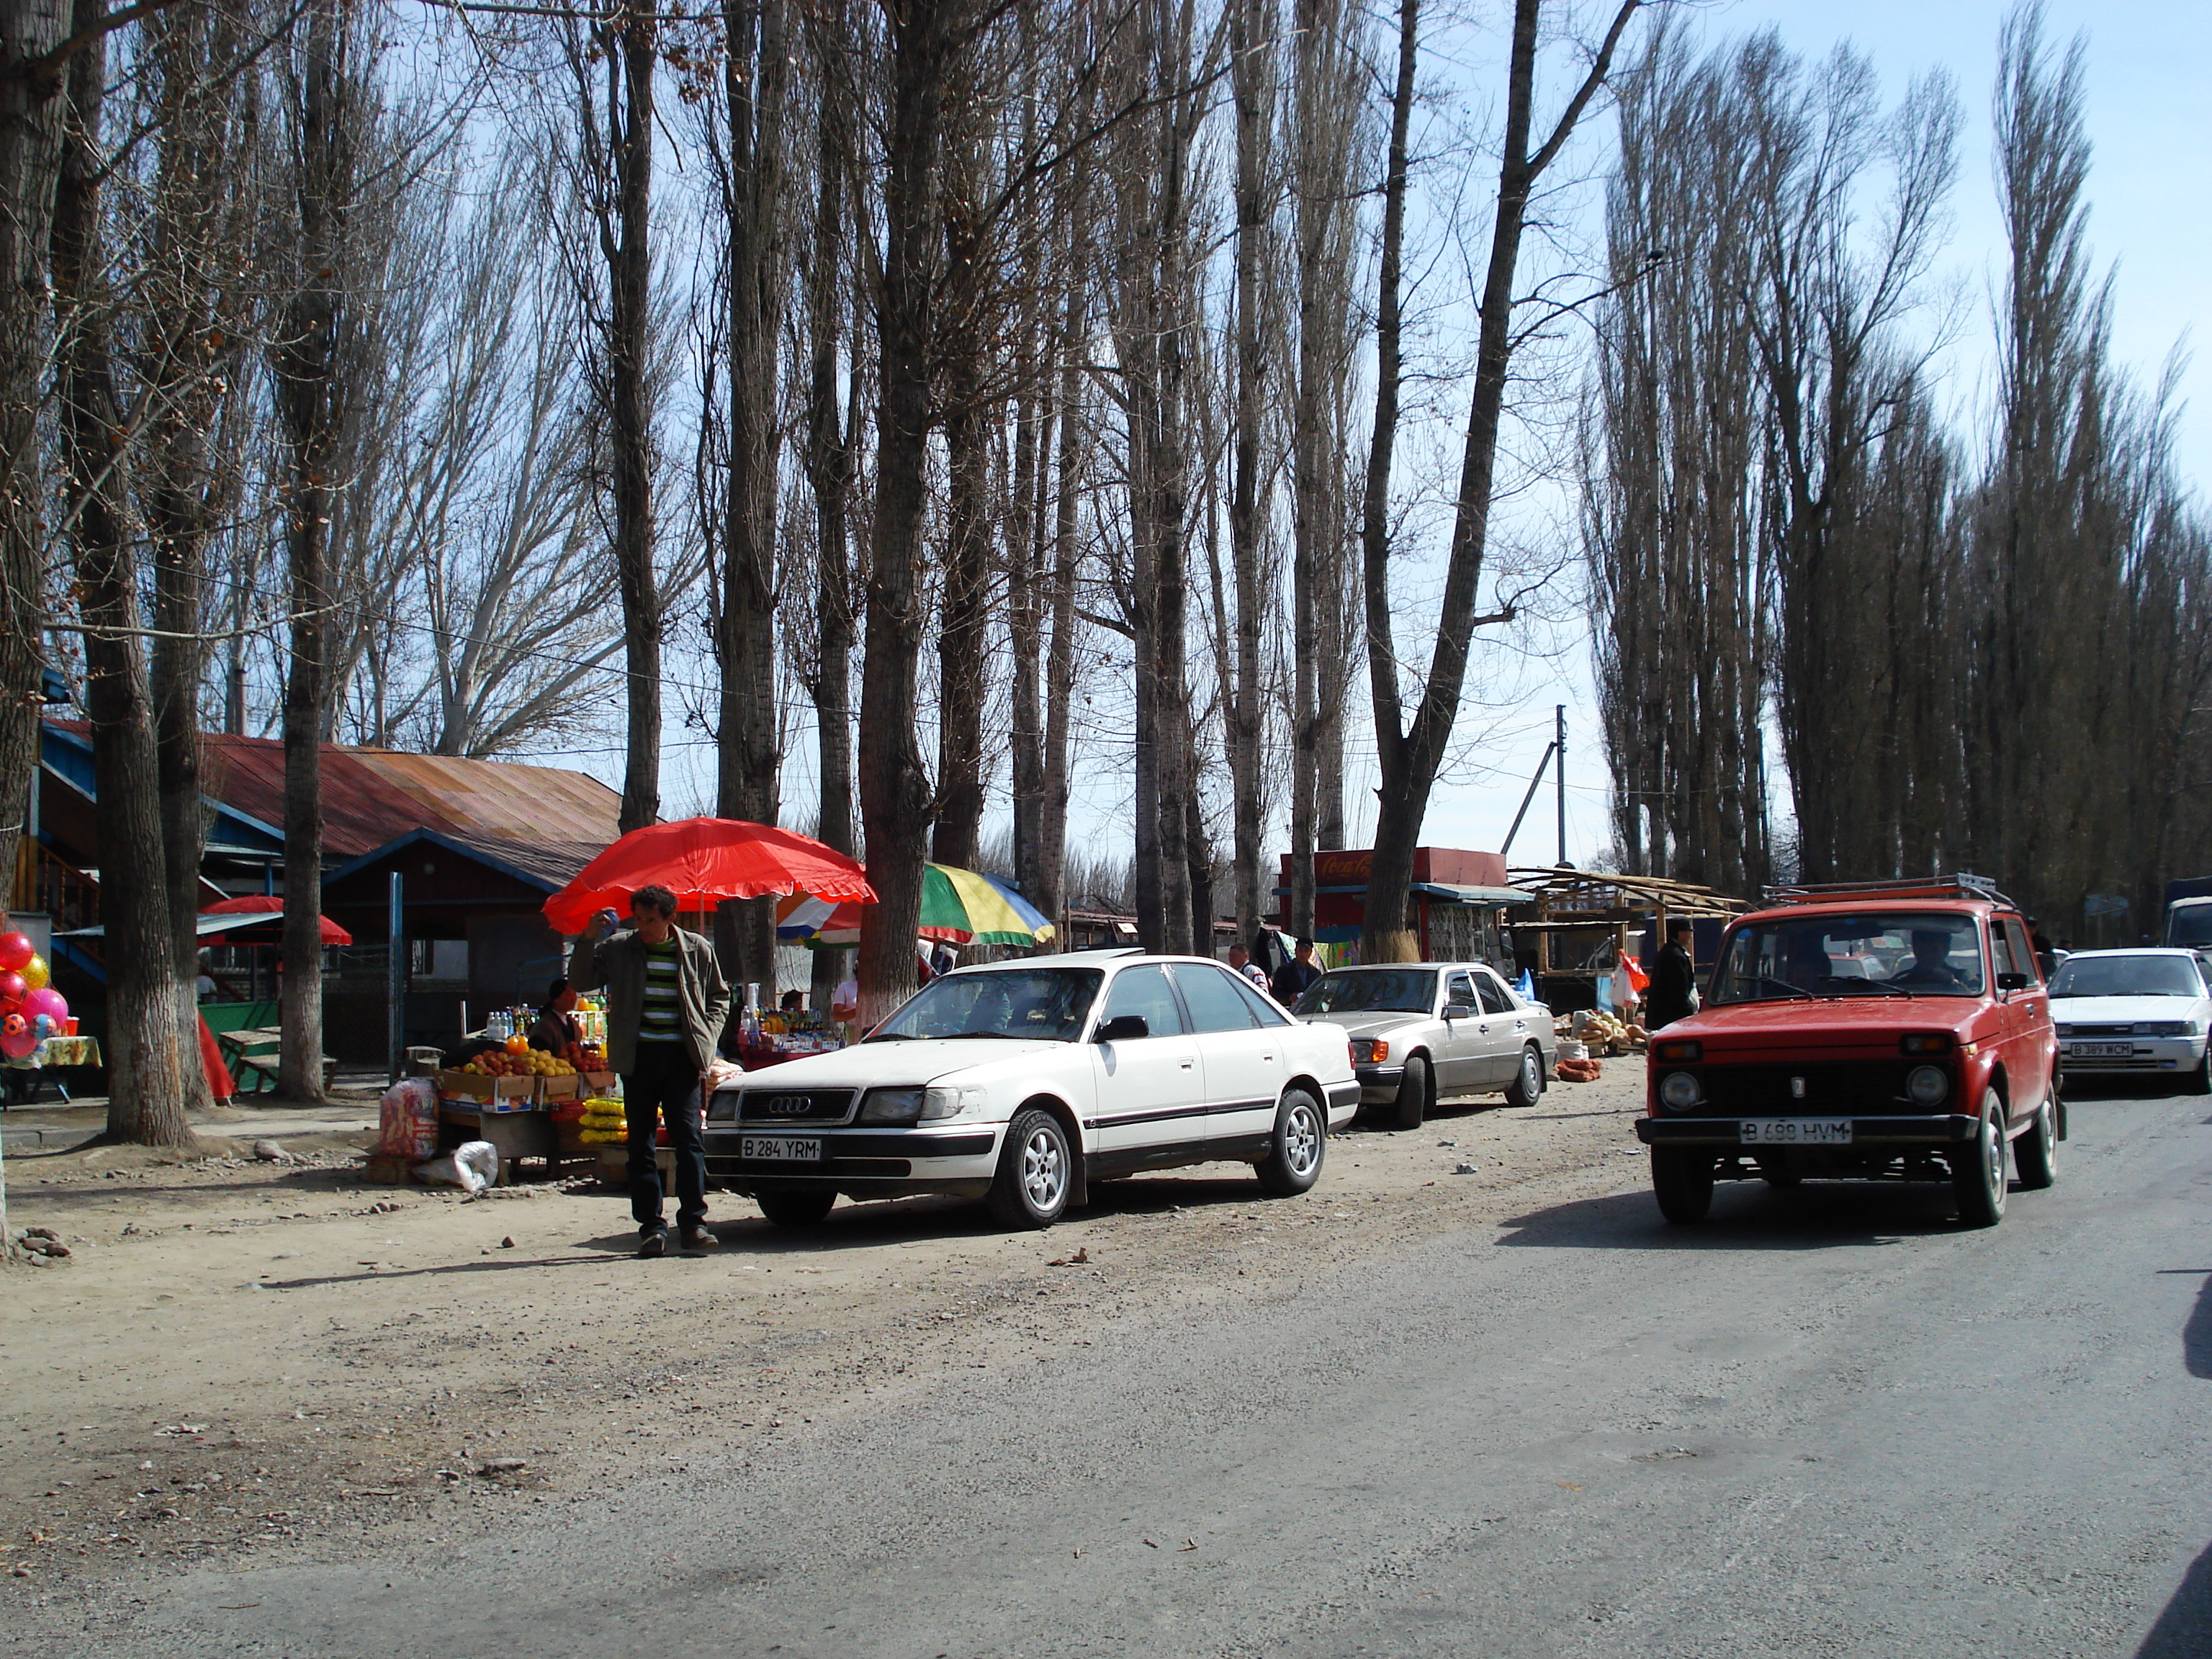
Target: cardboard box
490 1094
551 1089
599 1083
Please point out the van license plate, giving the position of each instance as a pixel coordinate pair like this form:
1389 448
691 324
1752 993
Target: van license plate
1796 1132
780 1149
2099 1050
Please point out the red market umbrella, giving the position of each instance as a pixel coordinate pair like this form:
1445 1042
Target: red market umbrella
268 905
704 861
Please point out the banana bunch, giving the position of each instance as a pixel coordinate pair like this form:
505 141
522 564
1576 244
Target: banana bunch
603 1123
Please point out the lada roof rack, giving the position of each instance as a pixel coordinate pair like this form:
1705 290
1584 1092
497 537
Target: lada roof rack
1957 887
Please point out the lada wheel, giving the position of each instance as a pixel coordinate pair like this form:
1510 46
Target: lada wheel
1301 1143
1978 1167
2035 1154
1031 1189
795 1209
1683 1181
1528 1081
1413 1100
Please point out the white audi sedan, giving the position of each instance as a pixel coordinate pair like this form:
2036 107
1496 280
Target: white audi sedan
2133 1011
1022 1082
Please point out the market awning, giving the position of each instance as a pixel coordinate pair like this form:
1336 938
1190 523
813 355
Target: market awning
1460 894
332 934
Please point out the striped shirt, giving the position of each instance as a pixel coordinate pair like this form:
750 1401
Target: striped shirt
661 1018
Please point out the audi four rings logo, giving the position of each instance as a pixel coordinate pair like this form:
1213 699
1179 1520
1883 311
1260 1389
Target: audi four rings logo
786 1105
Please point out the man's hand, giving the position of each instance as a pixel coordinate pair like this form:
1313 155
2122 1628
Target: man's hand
600 925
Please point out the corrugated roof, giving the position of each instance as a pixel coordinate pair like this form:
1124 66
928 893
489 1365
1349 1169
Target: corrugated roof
372 796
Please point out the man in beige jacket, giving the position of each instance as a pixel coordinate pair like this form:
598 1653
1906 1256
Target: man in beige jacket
666 1004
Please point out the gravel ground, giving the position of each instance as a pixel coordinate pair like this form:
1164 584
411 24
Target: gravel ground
244 1362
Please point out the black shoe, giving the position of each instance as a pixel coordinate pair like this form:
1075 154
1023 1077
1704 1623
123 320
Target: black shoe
654 1242
697 1241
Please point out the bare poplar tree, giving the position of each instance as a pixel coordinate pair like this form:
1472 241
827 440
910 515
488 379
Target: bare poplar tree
1410 754
147 1056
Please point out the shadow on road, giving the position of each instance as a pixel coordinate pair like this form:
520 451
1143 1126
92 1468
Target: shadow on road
2184 1630
2196 1334
1747 1215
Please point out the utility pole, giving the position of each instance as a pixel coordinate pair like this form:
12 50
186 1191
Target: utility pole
1560 755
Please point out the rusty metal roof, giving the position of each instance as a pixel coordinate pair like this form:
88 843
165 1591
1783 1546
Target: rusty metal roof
372 796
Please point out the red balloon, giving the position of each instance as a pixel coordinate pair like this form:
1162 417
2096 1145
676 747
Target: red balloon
13 986
16 950
17 1044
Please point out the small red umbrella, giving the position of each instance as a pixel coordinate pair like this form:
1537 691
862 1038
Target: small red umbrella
704 861
268 905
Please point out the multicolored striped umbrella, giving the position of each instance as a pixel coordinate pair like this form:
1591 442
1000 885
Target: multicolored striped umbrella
960 907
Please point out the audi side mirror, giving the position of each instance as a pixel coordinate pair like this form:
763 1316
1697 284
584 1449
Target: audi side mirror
1124 1028
2012 982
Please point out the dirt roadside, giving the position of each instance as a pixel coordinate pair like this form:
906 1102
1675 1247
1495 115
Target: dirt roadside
244 1361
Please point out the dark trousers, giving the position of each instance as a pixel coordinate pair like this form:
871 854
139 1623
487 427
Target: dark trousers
666 1080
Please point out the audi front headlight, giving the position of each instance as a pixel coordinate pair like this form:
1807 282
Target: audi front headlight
1680 1090
937 1103
893 1105
1927 1085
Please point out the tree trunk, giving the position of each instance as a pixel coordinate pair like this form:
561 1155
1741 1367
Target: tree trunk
749 754
30 153
894 792
1252 60
311 405
146 1055
830 468
629 273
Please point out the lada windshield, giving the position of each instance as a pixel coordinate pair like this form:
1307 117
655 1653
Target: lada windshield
1846 956
1372 991
1049 1004
2126 976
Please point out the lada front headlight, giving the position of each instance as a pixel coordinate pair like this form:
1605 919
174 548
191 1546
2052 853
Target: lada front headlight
1927 1085
1680 1090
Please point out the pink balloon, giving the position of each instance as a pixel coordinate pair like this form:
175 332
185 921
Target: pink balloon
16 950
17 1044
46 1000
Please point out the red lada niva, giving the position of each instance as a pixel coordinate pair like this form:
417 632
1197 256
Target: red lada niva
1880 1031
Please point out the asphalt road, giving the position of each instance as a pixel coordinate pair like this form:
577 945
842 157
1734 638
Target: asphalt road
1829 1422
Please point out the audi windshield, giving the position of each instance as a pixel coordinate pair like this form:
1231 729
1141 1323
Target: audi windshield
1047 1004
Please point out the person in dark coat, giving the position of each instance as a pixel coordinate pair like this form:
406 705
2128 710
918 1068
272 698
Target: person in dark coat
1674 979
1292 978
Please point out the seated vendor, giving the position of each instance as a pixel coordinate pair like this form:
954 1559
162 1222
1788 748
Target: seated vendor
555 1029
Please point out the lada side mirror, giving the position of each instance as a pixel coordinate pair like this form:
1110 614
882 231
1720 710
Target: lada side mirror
1123 1028
2012 982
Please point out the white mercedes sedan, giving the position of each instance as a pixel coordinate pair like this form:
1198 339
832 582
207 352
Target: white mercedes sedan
2133 1011
1022 1082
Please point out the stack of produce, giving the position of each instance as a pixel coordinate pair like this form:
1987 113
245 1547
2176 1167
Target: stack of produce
518 1059
1602 1031
603 1123
1580 1071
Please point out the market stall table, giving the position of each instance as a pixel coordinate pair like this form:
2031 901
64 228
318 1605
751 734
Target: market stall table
28 1075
